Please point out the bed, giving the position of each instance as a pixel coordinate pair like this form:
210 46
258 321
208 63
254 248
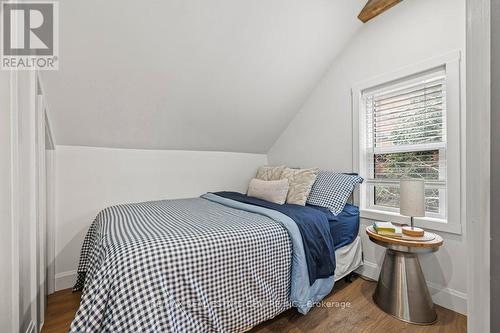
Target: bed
223 262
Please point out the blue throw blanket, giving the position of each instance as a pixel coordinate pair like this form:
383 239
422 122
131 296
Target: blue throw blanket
314 229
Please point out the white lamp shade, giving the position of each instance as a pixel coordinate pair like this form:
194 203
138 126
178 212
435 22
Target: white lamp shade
412 201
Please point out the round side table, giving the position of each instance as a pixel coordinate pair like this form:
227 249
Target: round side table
401 289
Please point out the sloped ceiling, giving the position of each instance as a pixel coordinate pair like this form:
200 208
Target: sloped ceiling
225 75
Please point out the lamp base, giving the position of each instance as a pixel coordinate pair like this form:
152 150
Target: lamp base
413 231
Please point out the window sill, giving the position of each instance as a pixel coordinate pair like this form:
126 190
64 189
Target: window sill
423 222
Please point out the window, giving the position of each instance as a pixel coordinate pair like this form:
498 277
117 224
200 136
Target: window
406 138
406 124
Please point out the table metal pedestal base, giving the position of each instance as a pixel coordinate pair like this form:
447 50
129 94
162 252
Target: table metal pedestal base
402 291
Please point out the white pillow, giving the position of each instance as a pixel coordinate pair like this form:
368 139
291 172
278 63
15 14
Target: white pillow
269 190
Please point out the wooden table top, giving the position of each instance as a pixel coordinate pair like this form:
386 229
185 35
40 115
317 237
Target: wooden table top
435 243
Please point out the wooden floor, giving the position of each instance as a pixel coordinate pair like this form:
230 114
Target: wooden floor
359 314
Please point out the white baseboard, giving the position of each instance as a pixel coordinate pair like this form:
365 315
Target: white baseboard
65 280
446 297
369 269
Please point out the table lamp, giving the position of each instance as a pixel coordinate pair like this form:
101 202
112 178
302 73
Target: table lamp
412 203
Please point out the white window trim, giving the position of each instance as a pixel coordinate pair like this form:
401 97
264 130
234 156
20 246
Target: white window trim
451 63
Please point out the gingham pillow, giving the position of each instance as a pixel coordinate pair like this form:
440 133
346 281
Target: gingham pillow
332 190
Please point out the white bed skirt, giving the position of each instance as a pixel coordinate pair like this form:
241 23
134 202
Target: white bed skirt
348 258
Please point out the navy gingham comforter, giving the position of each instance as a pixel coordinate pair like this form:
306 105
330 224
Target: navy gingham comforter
188 265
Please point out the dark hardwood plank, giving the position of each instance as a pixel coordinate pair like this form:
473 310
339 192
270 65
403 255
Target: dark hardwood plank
374 8
362 315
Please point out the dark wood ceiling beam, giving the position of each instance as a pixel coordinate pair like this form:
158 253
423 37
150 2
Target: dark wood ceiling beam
376 7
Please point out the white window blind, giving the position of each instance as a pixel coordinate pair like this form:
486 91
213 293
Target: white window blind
406 138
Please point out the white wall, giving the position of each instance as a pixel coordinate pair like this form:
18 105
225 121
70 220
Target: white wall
90 179
321 133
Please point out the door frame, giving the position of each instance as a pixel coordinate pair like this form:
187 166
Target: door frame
478 76
49 160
